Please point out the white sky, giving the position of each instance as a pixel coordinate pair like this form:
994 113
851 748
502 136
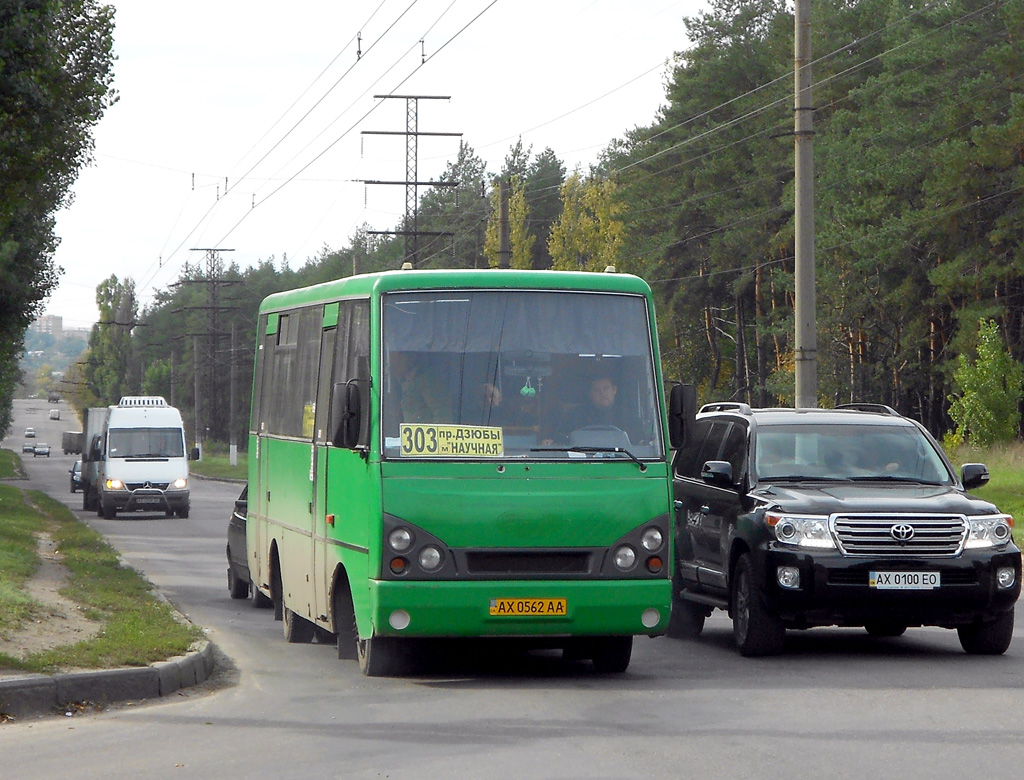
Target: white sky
209 87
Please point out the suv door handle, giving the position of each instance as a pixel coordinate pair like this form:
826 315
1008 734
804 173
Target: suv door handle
705 510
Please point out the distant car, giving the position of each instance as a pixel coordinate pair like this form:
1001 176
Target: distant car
76 476
30 433
55 414
28 447
41 449
239 583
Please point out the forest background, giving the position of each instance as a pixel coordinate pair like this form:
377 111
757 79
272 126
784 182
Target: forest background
919 219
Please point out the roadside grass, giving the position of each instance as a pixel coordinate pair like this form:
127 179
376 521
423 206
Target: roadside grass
216 463
1006 487
138 627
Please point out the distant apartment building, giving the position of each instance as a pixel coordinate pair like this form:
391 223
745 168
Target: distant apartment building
48 323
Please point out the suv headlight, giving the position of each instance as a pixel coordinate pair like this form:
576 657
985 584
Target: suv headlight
988 531
801 530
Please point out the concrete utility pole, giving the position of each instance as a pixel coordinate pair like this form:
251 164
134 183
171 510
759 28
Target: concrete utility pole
504 242
805 341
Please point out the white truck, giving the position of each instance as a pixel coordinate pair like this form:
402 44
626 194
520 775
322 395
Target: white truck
134 458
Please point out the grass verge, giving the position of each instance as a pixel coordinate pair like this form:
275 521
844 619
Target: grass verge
138 628
1006 487
217 465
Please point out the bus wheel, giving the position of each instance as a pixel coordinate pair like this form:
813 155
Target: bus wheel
297 630
379 656
276 589
345 622
611 654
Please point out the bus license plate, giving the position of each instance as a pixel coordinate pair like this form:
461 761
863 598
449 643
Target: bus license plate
527 607
904 580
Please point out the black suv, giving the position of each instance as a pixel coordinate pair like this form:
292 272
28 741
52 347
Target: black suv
849 517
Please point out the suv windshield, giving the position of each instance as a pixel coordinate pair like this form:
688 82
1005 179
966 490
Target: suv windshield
523 374
855 452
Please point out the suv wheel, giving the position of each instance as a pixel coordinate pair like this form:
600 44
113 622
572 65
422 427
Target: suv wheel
992 638
757 631
687 619
885 628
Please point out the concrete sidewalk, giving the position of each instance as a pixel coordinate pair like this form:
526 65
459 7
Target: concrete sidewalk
29 695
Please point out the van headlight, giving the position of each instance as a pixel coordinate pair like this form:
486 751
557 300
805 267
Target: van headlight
114 484
180 484
801 530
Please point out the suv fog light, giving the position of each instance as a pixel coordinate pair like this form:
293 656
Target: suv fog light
1005 577
399 619
788 577
650 618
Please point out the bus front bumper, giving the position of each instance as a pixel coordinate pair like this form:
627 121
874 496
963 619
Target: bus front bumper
520 609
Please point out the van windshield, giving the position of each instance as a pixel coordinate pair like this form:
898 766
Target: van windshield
145 443
523 374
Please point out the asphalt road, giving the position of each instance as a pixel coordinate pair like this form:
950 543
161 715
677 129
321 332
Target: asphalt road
838 704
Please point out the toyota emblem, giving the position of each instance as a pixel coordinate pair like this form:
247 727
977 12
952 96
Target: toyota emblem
902 532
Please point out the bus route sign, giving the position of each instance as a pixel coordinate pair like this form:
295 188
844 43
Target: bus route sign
451 441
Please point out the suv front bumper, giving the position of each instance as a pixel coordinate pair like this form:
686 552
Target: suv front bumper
834 589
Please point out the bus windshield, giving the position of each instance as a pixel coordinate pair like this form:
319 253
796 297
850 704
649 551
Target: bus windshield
523 374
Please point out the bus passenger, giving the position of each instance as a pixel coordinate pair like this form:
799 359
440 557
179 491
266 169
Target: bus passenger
422 398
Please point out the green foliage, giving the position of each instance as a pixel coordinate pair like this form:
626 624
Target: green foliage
55 76
138 627
986 410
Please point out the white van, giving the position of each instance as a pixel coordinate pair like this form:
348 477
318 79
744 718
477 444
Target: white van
140 458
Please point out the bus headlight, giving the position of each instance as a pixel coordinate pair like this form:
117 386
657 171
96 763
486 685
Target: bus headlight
652 539
625 557
430 558
400 539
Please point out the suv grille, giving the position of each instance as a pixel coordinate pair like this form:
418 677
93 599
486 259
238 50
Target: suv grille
900 535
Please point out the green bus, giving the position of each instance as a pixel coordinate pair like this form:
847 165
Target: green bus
433 453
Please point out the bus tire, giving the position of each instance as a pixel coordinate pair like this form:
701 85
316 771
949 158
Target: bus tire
297 630
379 656
611 654
345 622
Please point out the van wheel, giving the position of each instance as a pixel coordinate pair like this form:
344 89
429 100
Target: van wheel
756 630
260 600
991 638
183 513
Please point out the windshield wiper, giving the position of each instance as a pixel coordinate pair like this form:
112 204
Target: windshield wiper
892 478
799 478
630 455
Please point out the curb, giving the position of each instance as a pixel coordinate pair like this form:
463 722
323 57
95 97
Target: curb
38 694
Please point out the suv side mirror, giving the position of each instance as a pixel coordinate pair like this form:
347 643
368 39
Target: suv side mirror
974 475
347 415
682 413
717 473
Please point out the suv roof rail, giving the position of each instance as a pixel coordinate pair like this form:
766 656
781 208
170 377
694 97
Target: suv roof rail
726 406
876 408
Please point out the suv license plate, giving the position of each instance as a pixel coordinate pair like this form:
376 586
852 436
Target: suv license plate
525 607
904 580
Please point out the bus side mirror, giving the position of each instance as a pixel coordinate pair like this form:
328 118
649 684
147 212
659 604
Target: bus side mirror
347 414
682 413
